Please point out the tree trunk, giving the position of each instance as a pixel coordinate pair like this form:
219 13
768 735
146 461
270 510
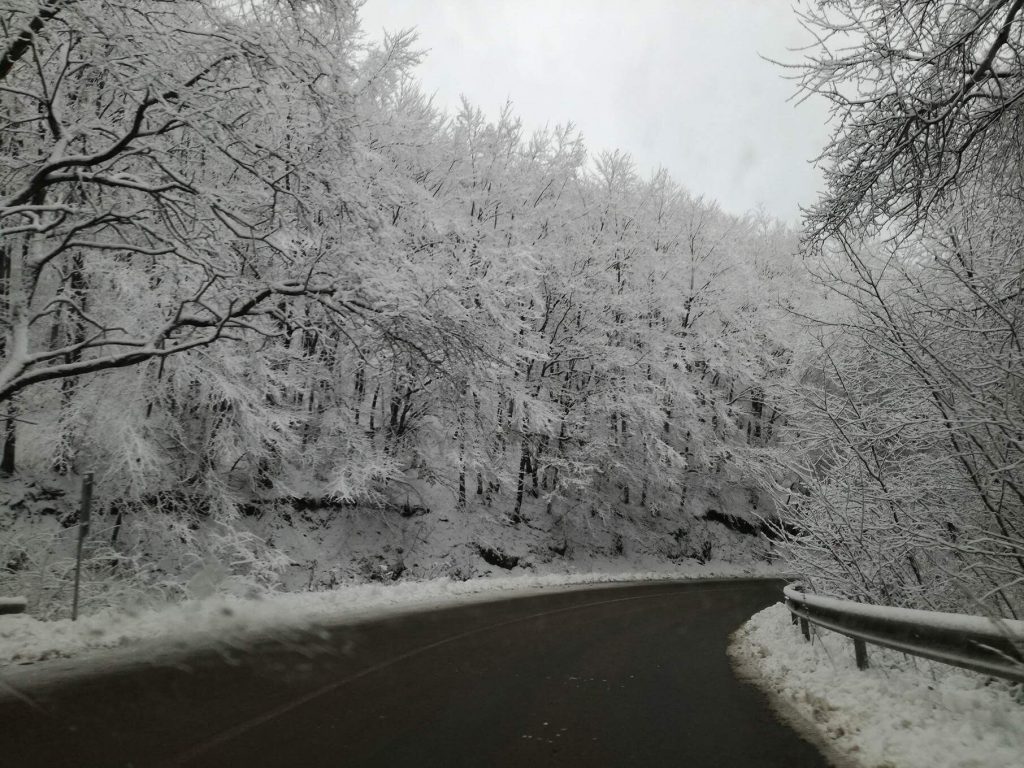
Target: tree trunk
524 467
67 451
10 440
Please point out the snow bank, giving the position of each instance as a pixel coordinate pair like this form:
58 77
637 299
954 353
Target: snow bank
225 619
902 711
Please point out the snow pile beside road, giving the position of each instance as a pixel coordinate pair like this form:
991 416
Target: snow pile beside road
227 619
903 711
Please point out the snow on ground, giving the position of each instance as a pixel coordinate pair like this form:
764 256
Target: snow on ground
902 712
228 619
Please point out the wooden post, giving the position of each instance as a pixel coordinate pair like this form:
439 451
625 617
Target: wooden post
860 650
84 508
805 627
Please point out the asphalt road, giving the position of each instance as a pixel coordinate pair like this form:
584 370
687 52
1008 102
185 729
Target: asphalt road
612 676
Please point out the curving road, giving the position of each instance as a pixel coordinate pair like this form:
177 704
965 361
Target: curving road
612 676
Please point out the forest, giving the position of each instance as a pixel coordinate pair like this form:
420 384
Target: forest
250 272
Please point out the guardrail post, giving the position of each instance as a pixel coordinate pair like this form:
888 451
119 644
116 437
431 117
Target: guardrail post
84 506
805 627
860 650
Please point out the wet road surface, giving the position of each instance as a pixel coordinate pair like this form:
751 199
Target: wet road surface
611 676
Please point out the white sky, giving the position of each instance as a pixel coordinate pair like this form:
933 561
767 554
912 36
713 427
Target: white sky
676 83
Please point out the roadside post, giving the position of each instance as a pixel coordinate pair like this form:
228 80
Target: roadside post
84 508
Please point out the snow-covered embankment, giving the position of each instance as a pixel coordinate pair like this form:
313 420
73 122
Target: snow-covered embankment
903 712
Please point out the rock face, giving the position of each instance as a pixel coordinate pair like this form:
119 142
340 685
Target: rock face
12 605
498 558
732 522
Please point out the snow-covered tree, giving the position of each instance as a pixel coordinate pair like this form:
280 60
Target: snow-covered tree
908 490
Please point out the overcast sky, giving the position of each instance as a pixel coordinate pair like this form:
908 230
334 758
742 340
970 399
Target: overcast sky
676 83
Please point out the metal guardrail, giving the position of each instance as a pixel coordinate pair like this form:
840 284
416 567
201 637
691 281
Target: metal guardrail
992 646
12 605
